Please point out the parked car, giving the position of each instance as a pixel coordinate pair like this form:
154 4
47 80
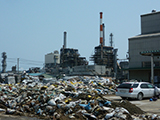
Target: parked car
137 90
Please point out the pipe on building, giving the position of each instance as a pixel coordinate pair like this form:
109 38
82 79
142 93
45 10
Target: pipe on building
65 35
103 35
115 62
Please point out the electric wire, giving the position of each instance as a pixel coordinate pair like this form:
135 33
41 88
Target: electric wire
30 60
24 61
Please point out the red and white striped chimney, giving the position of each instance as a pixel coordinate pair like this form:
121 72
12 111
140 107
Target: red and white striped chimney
101 29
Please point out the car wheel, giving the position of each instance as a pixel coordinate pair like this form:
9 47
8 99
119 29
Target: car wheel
140 96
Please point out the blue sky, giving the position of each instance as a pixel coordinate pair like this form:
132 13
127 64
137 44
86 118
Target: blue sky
29 29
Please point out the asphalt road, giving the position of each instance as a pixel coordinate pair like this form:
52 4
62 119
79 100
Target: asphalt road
145 104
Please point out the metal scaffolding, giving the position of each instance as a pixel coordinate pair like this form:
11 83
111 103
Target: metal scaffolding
108 56
70 57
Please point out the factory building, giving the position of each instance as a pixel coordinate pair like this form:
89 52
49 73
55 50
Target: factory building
105 55
71 63
52 60
104 59
70 57
107 58
142 46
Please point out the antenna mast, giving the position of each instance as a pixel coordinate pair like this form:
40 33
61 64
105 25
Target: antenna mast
111 40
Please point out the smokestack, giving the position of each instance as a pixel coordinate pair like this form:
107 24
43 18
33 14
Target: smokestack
103 35
65 34
101 29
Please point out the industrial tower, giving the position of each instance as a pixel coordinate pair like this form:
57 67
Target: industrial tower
104 55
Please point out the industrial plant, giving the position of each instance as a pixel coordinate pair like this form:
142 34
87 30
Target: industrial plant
70 62
142 60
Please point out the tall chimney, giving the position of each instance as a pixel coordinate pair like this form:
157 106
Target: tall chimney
65 34
103 35
101 29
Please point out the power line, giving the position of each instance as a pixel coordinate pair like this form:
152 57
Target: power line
11 61
12 58
30 60
25 61
30 63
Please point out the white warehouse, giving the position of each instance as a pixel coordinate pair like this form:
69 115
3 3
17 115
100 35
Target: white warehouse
52 59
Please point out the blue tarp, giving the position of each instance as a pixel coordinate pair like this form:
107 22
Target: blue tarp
35 74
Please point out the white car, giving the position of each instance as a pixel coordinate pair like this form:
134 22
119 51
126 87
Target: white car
137 90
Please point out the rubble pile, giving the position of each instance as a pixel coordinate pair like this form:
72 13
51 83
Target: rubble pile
78 98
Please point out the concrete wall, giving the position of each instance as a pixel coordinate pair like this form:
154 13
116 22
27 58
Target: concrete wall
143 75
150 23
139 44
100 69
49 58
89 70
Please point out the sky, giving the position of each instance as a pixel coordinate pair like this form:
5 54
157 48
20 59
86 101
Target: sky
30 29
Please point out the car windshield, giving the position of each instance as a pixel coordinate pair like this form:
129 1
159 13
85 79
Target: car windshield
128 85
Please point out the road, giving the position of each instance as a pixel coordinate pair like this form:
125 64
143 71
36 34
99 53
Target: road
145 105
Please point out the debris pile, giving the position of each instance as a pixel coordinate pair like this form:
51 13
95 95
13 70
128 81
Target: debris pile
78 98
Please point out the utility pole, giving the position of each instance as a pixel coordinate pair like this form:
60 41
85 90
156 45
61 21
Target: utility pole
152 69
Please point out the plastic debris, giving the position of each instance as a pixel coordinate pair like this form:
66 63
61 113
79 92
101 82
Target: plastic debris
74 97
109 115
52 102
10 111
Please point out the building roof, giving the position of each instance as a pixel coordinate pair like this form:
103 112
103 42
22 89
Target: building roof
145 36
142 68
104 47
154 12
148 53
